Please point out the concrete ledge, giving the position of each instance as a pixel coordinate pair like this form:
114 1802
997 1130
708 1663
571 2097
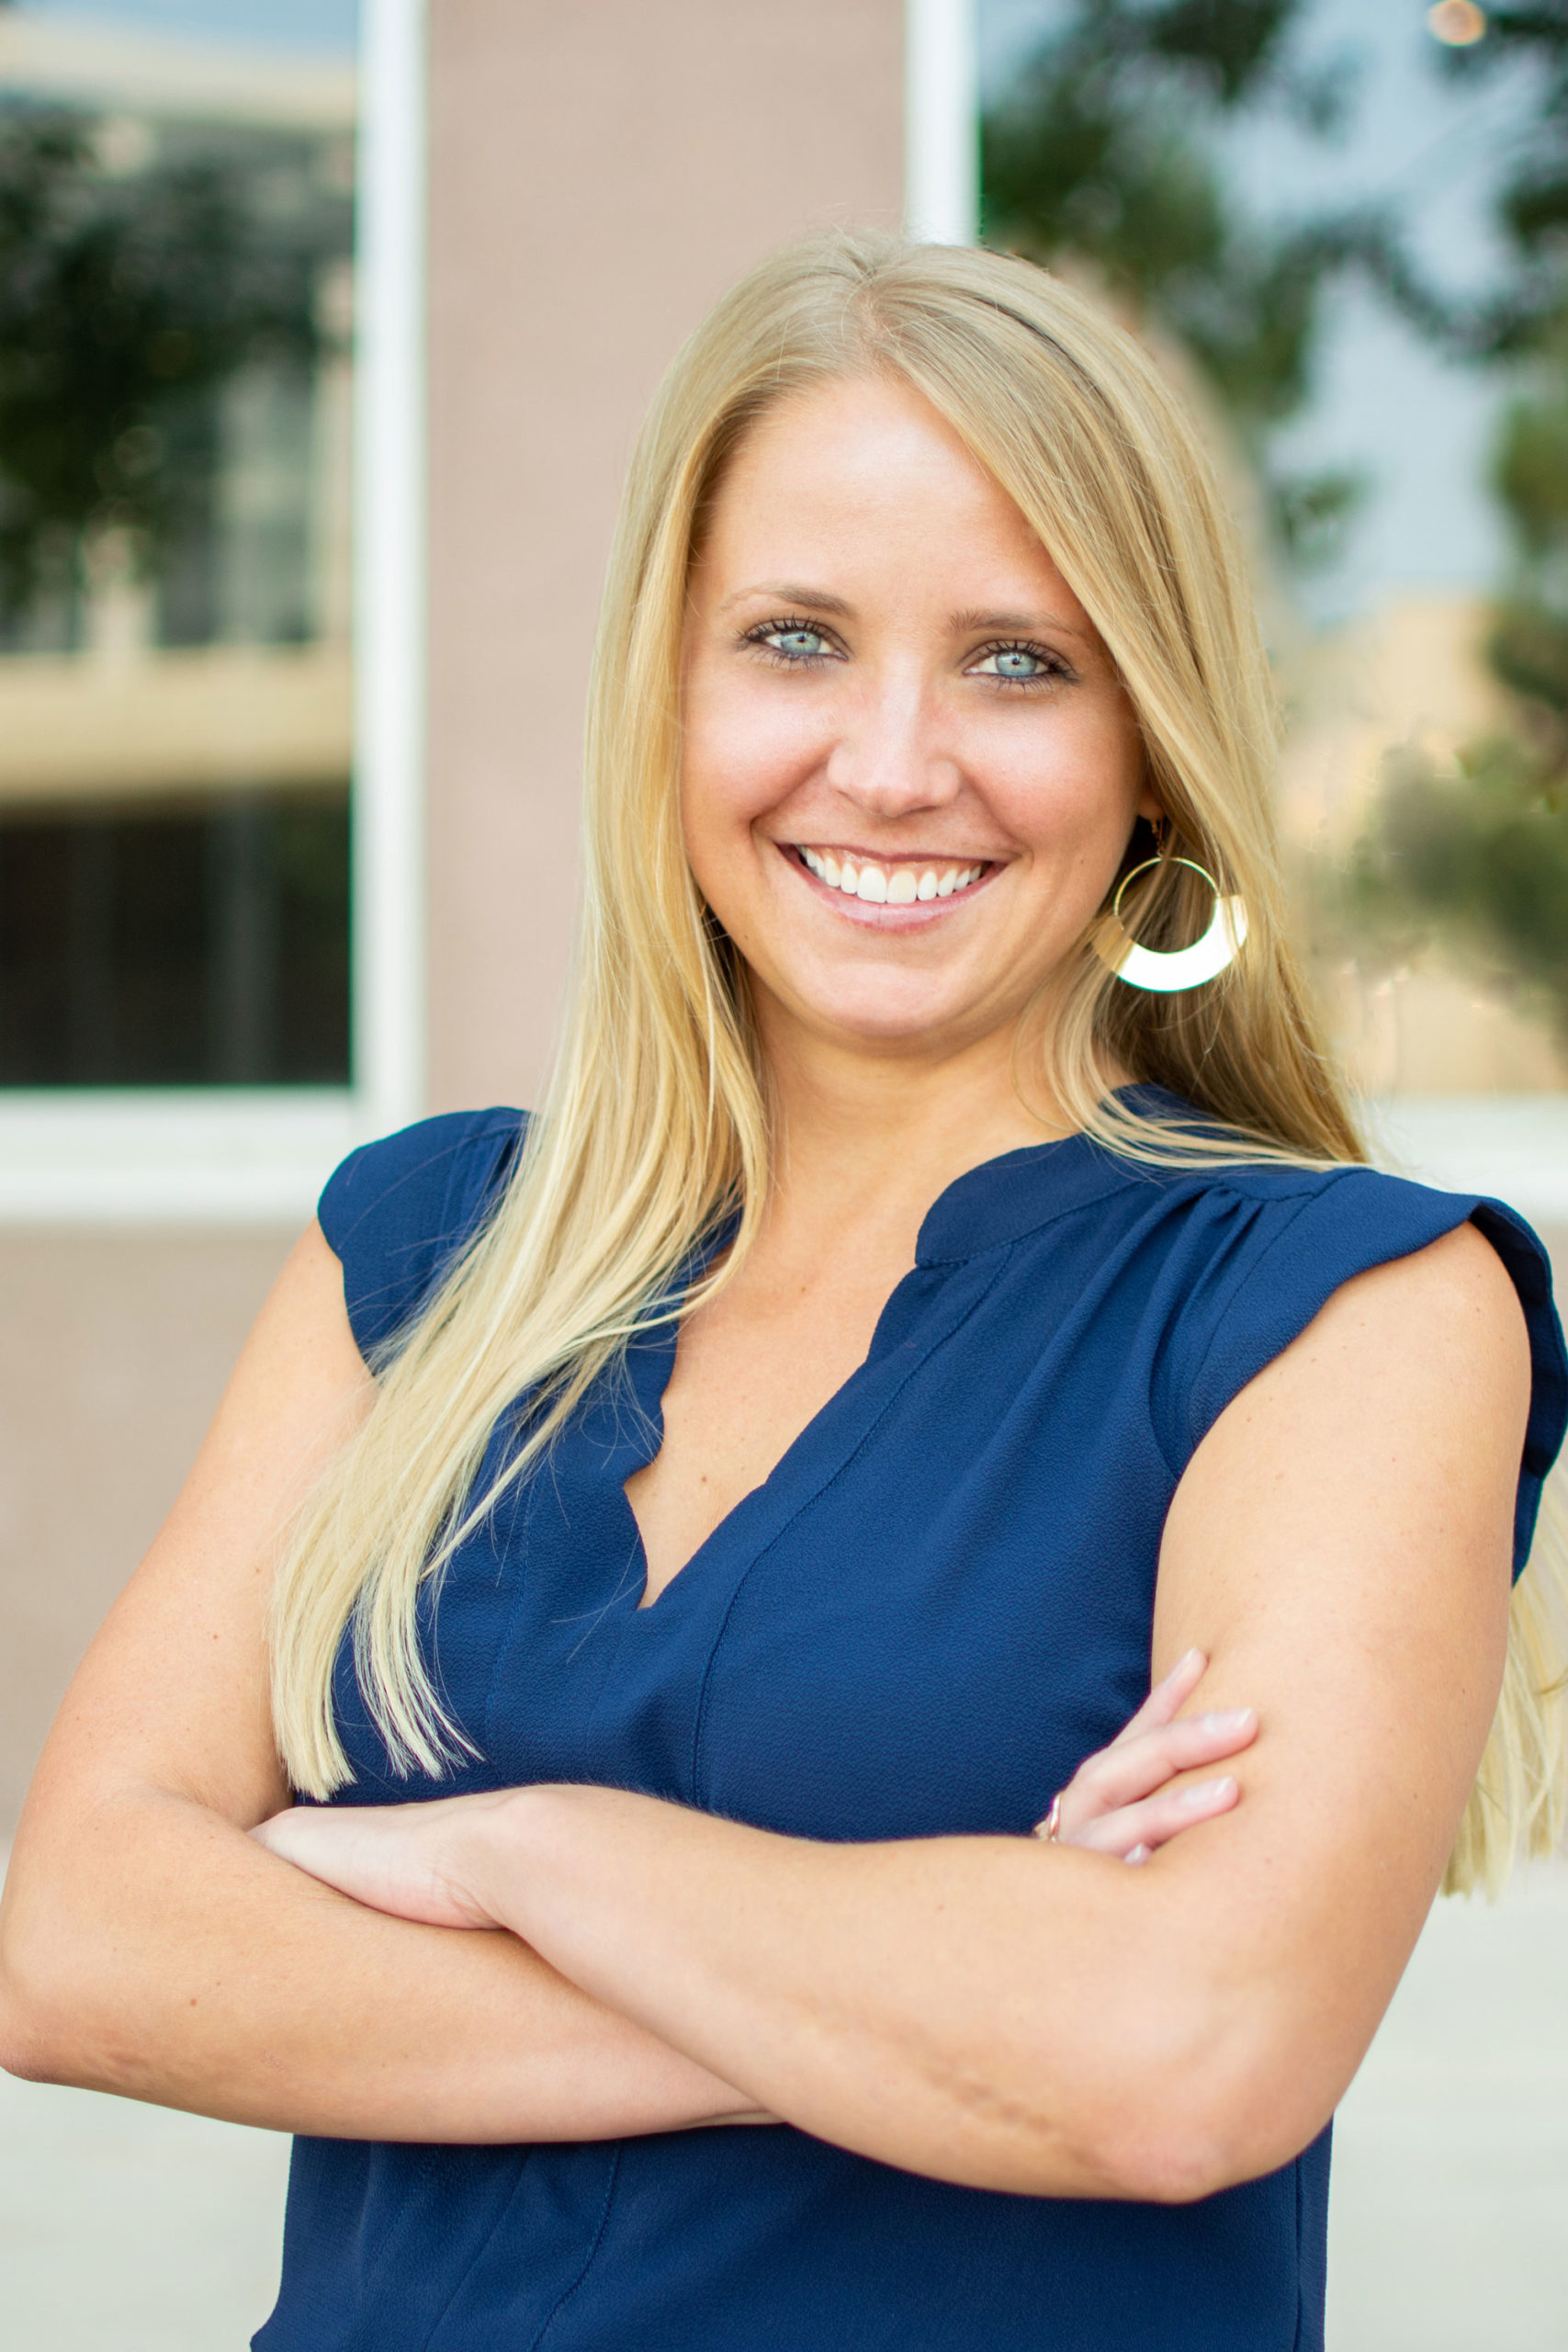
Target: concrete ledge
1512 1145
219 1154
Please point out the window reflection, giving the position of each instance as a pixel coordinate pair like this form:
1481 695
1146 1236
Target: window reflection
175 317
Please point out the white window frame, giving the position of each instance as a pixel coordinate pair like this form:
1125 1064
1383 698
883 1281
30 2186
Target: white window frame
252 1155
941 122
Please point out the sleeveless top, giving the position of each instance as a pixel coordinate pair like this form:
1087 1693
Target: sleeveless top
938 1604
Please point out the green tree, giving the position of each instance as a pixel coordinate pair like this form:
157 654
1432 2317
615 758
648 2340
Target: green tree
1525 327
1108 148
1475 856
127 300
1478 856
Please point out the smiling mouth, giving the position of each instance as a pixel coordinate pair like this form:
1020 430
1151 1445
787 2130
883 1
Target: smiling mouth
891 882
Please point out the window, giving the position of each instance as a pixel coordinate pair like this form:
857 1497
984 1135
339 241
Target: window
207 886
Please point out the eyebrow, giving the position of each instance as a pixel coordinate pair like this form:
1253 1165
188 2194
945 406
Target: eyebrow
790 592
963 624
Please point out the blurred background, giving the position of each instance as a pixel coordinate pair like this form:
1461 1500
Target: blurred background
324 330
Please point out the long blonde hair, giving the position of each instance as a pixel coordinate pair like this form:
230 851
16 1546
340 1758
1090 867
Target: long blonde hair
655 1124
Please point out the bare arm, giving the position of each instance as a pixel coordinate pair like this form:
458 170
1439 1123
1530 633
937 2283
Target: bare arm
1034 2019
148 1946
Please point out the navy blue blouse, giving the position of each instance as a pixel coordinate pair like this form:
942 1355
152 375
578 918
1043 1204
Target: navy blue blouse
938 1604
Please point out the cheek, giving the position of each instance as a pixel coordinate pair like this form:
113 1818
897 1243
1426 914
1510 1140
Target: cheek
1068 787
722 790
742 752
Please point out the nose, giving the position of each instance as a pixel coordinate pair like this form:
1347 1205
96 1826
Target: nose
891 758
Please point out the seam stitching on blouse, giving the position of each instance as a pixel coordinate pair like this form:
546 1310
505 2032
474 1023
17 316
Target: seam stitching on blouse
1301 2294
477 2256
1310 1200
522 1507
968 1257
567 2293
1004 1251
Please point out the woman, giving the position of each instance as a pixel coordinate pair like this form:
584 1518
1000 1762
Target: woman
782 1464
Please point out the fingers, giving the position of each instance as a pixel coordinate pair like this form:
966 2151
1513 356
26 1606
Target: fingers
1135 1831
1100 1806
1120 1775
1169 1696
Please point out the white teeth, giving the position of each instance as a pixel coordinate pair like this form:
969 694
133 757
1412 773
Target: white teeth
892 885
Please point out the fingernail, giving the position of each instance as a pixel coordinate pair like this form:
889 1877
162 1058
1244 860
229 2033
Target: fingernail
1206 1792
1188 1658
1137 1854
1229 1719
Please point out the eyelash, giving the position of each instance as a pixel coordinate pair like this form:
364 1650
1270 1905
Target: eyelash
1056 668
787 625
797 625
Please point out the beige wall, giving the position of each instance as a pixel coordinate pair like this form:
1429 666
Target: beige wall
598 175
117 1346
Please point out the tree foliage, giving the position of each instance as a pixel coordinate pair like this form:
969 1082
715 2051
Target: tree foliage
1107 149
1525 324
127 300
1477 854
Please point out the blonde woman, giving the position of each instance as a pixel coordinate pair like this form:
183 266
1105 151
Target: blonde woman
654 1569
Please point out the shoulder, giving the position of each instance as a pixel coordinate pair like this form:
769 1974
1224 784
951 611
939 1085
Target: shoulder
1447 1316
1253 1254
1278 1224
1289 1238
396 1211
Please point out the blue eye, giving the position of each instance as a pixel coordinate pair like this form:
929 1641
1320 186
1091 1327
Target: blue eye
1018 665
797 644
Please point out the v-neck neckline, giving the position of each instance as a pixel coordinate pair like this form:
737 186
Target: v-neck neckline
752 1522
986 1207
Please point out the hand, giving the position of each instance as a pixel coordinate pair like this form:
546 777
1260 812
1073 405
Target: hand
418 1861
1117 1802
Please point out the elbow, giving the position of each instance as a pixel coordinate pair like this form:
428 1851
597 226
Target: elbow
44 2031
1219 2101
24 2038
22 2052
1153 2159
1183 2163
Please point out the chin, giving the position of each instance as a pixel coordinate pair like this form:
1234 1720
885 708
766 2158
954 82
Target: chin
885 1020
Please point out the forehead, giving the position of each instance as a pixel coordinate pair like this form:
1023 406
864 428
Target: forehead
865 472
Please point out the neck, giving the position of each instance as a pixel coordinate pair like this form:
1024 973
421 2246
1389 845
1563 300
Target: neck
881 1134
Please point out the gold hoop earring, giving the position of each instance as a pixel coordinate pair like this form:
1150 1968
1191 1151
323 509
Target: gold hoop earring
1185 967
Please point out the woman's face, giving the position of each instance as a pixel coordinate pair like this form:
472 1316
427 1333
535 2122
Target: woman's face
910 772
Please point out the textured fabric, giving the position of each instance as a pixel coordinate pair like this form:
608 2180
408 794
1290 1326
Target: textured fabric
934 1609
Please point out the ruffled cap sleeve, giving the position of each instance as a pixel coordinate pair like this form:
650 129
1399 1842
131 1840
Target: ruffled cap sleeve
1295 1238
396 1213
